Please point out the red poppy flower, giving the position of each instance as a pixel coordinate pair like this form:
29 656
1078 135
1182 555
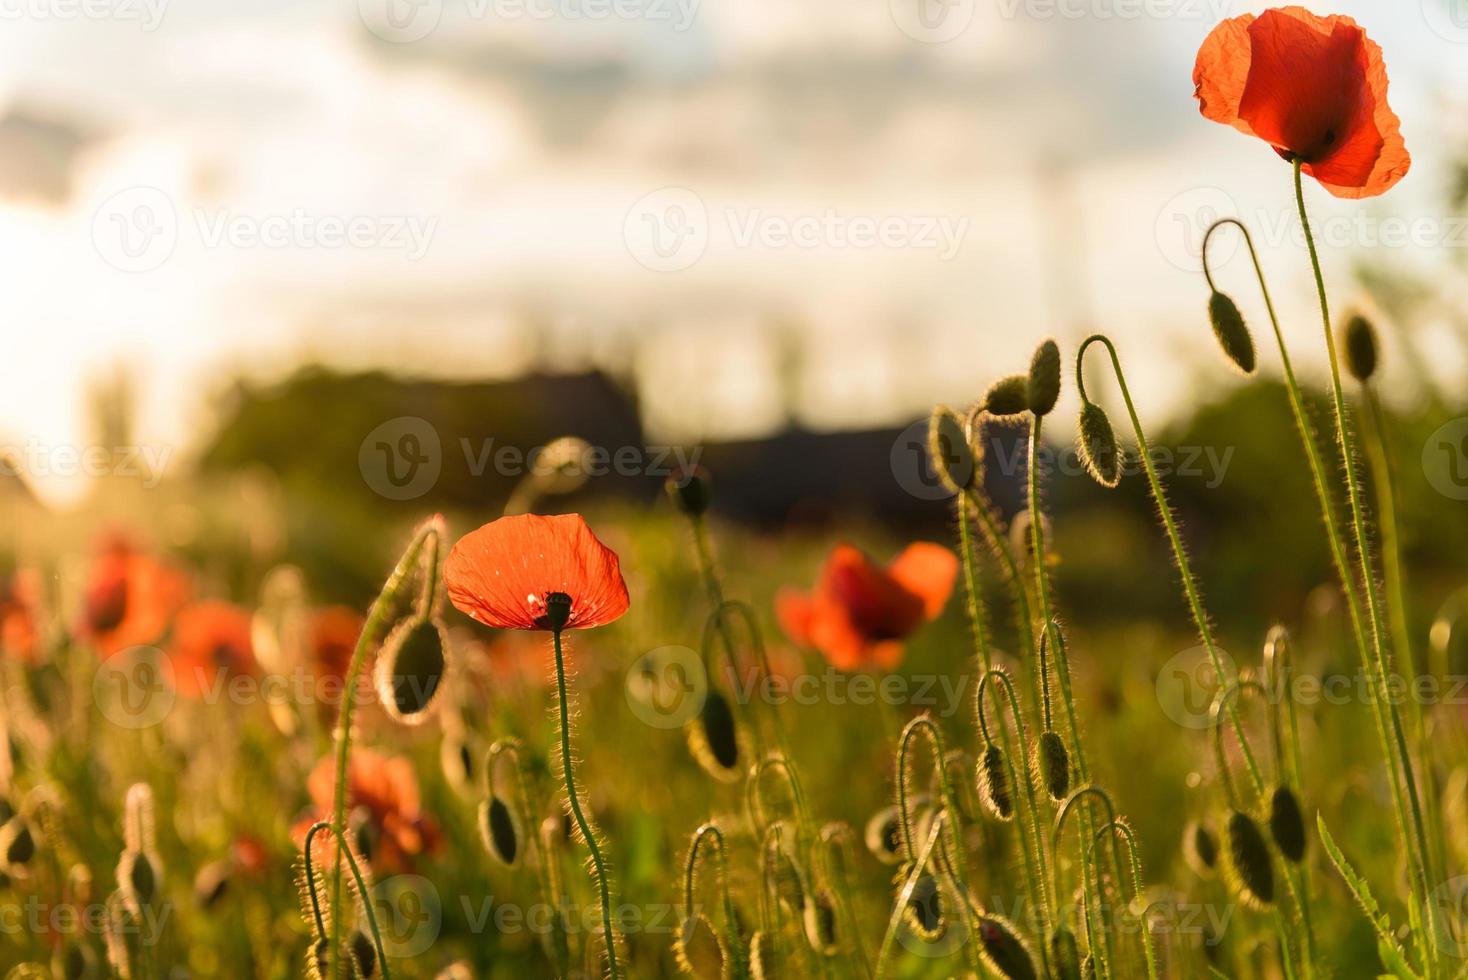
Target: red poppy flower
386 787
334 632
129 598
19 608
209 639
859 612
503 573
1314 88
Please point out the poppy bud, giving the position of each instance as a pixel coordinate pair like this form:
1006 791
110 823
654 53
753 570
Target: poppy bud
883 835
318 959
820 922
764 963
1004 950
789 888
363 953
1096 443
410 669
17 843
1232 334
73 962
1042 387
500 830
1358 342
1065 954
362 832
1200 849
1248 860
714 739
210 884
137 879
1009 396
994 784
1052 765
949 451
699 950
456 758
1286 825
691 490
924 910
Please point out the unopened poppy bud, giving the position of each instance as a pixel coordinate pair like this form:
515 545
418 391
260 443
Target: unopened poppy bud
1286 825
456 758
1052 765
363 832
1200 849
137 879
1249 866
789 887
699 950
883 836
949 451
764 959
691 490
17 843
411 668
994 783
500 830
1042 388
820 922
1004 950
1096 443
318 959
713 737
1358 343
924 910
364 954
1233 336
1008 396
1065 954
73 961
210 884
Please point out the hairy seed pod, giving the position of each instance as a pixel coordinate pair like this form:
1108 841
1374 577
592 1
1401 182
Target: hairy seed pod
994 784
1096 444
1052 765
1065 954
411 668
1358 343
1008 396
73 961
820 922
1200 848
363 953
1004 950
924 912
137 879
500 829
1249 866
713 738
1042 387
690 489
362 832
764 960
700 950
883 835
1233 336
456 759
211 884
1286 825
318 959
789 886
17 843
949 451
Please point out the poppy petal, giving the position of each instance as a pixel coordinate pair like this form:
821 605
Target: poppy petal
926 570
794 610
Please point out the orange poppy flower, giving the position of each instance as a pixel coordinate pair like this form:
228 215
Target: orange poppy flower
19 604
503 573
210 638
129 598
859 612
334 632
386 787
1314 88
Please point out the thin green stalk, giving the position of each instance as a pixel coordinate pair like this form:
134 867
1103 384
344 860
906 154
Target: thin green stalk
530 806
1124 830
344 850
709 831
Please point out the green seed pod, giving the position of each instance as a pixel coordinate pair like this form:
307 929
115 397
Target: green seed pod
1052 765
363 953
411 668
1286 825
500 830
700 950
1232 334
1249 866
1200 849
924 912
1008 396
820 922
1042 387
883 835
1065 954
1096 443
1004 950
691 490
318 959
17 843
713 738
994 784
949 451
1358 343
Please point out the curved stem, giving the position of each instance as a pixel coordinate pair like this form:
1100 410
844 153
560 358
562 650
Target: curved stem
366 898
709 831
920 861
1122 829
1096 934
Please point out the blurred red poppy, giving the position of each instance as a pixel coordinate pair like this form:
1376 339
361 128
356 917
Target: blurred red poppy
502 573
1314 88
334 634
386 788
130 598
210 639
20 599
859 612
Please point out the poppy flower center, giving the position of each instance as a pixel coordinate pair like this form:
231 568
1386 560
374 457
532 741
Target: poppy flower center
557 612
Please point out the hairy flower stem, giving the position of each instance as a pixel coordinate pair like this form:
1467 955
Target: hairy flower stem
429 535
530 809
1336 542
344 851
1368 579
573 800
